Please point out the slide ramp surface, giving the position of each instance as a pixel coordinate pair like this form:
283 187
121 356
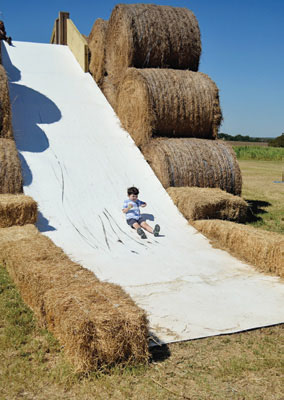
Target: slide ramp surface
77 164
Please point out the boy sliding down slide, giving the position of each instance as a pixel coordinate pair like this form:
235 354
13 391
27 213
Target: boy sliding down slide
133 217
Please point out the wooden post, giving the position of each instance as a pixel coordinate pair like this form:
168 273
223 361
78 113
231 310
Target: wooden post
57 31
63 16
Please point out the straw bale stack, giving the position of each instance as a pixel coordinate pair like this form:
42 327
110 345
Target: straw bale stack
151 36
109 91
11 180
202 203
167 102
96 42
17 210
96 322
6 130
262 249
194 162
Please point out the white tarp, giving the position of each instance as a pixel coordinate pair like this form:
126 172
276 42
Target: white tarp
77 164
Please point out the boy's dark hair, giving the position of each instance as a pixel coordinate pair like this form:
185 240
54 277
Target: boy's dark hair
132 190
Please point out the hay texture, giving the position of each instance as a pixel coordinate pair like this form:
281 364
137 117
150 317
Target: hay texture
194 162
151 36
11 180
96 42
109 91
202 203
96 322
262 249
6 130
17 210
167 102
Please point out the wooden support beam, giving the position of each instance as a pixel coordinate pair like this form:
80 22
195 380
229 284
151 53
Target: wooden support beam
63 16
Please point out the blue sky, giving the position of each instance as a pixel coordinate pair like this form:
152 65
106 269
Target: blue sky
242 50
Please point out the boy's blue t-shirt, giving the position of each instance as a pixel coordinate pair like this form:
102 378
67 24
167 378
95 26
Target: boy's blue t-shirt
134 212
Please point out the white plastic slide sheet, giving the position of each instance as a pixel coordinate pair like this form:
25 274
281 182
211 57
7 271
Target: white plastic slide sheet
78 162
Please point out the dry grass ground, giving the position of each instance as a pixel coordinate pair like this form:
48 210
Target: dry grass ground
265 197
244 366
241 366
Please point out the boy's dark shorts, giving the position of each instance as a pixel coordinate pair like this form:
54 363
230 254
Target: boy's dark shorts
132 221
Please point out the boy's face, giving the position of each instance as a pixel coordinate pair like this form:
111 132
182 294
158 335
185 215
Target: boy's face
133 197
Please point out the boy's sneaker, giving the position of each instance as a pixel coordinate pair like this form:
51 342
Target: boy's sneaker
141 233
156 230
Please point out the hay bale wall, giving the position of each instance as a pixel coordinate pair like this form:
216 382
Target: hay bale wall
194 162
262 249
96 322
109 91
202 203
151 36
17 210
11 180
6 130
167 102
96 42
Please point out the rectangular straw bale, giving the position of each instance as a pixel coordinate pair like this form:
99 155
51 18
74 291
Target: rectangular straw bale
17 209
6 130
202 203
96 322
262 249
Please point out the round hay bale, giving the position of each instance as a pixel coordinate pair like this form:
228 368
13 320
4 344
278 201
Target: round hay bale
194 162
151 36
96 42
11 180
167 102
6 130
109 91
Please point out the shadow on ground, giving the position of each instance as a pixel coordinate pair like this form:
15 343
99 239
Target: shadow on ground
256 208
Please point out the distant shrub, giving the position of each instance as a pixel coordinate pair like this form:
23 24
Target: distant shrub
277 142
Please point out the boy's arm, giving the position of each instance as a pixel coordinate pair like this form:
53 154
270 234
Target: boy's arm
142 203
126 207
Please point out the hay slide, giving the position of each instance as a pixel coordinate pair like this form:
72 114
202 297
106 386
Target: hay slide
96 322
194 162
167 102
202 203
151 36
262 249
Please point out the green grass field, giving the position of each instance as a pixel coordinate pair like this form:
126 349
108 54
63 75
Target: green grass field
260 153
244 366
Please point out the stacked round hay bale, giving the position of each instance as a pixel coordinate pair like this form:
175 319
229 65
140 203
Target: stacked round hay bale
96 43
15 207
6 130
151 36
194 162
148 36
11 180
167 102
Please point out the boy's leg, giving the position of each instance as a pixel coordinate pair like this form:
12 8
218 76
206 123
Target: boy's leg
140 231
148 228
